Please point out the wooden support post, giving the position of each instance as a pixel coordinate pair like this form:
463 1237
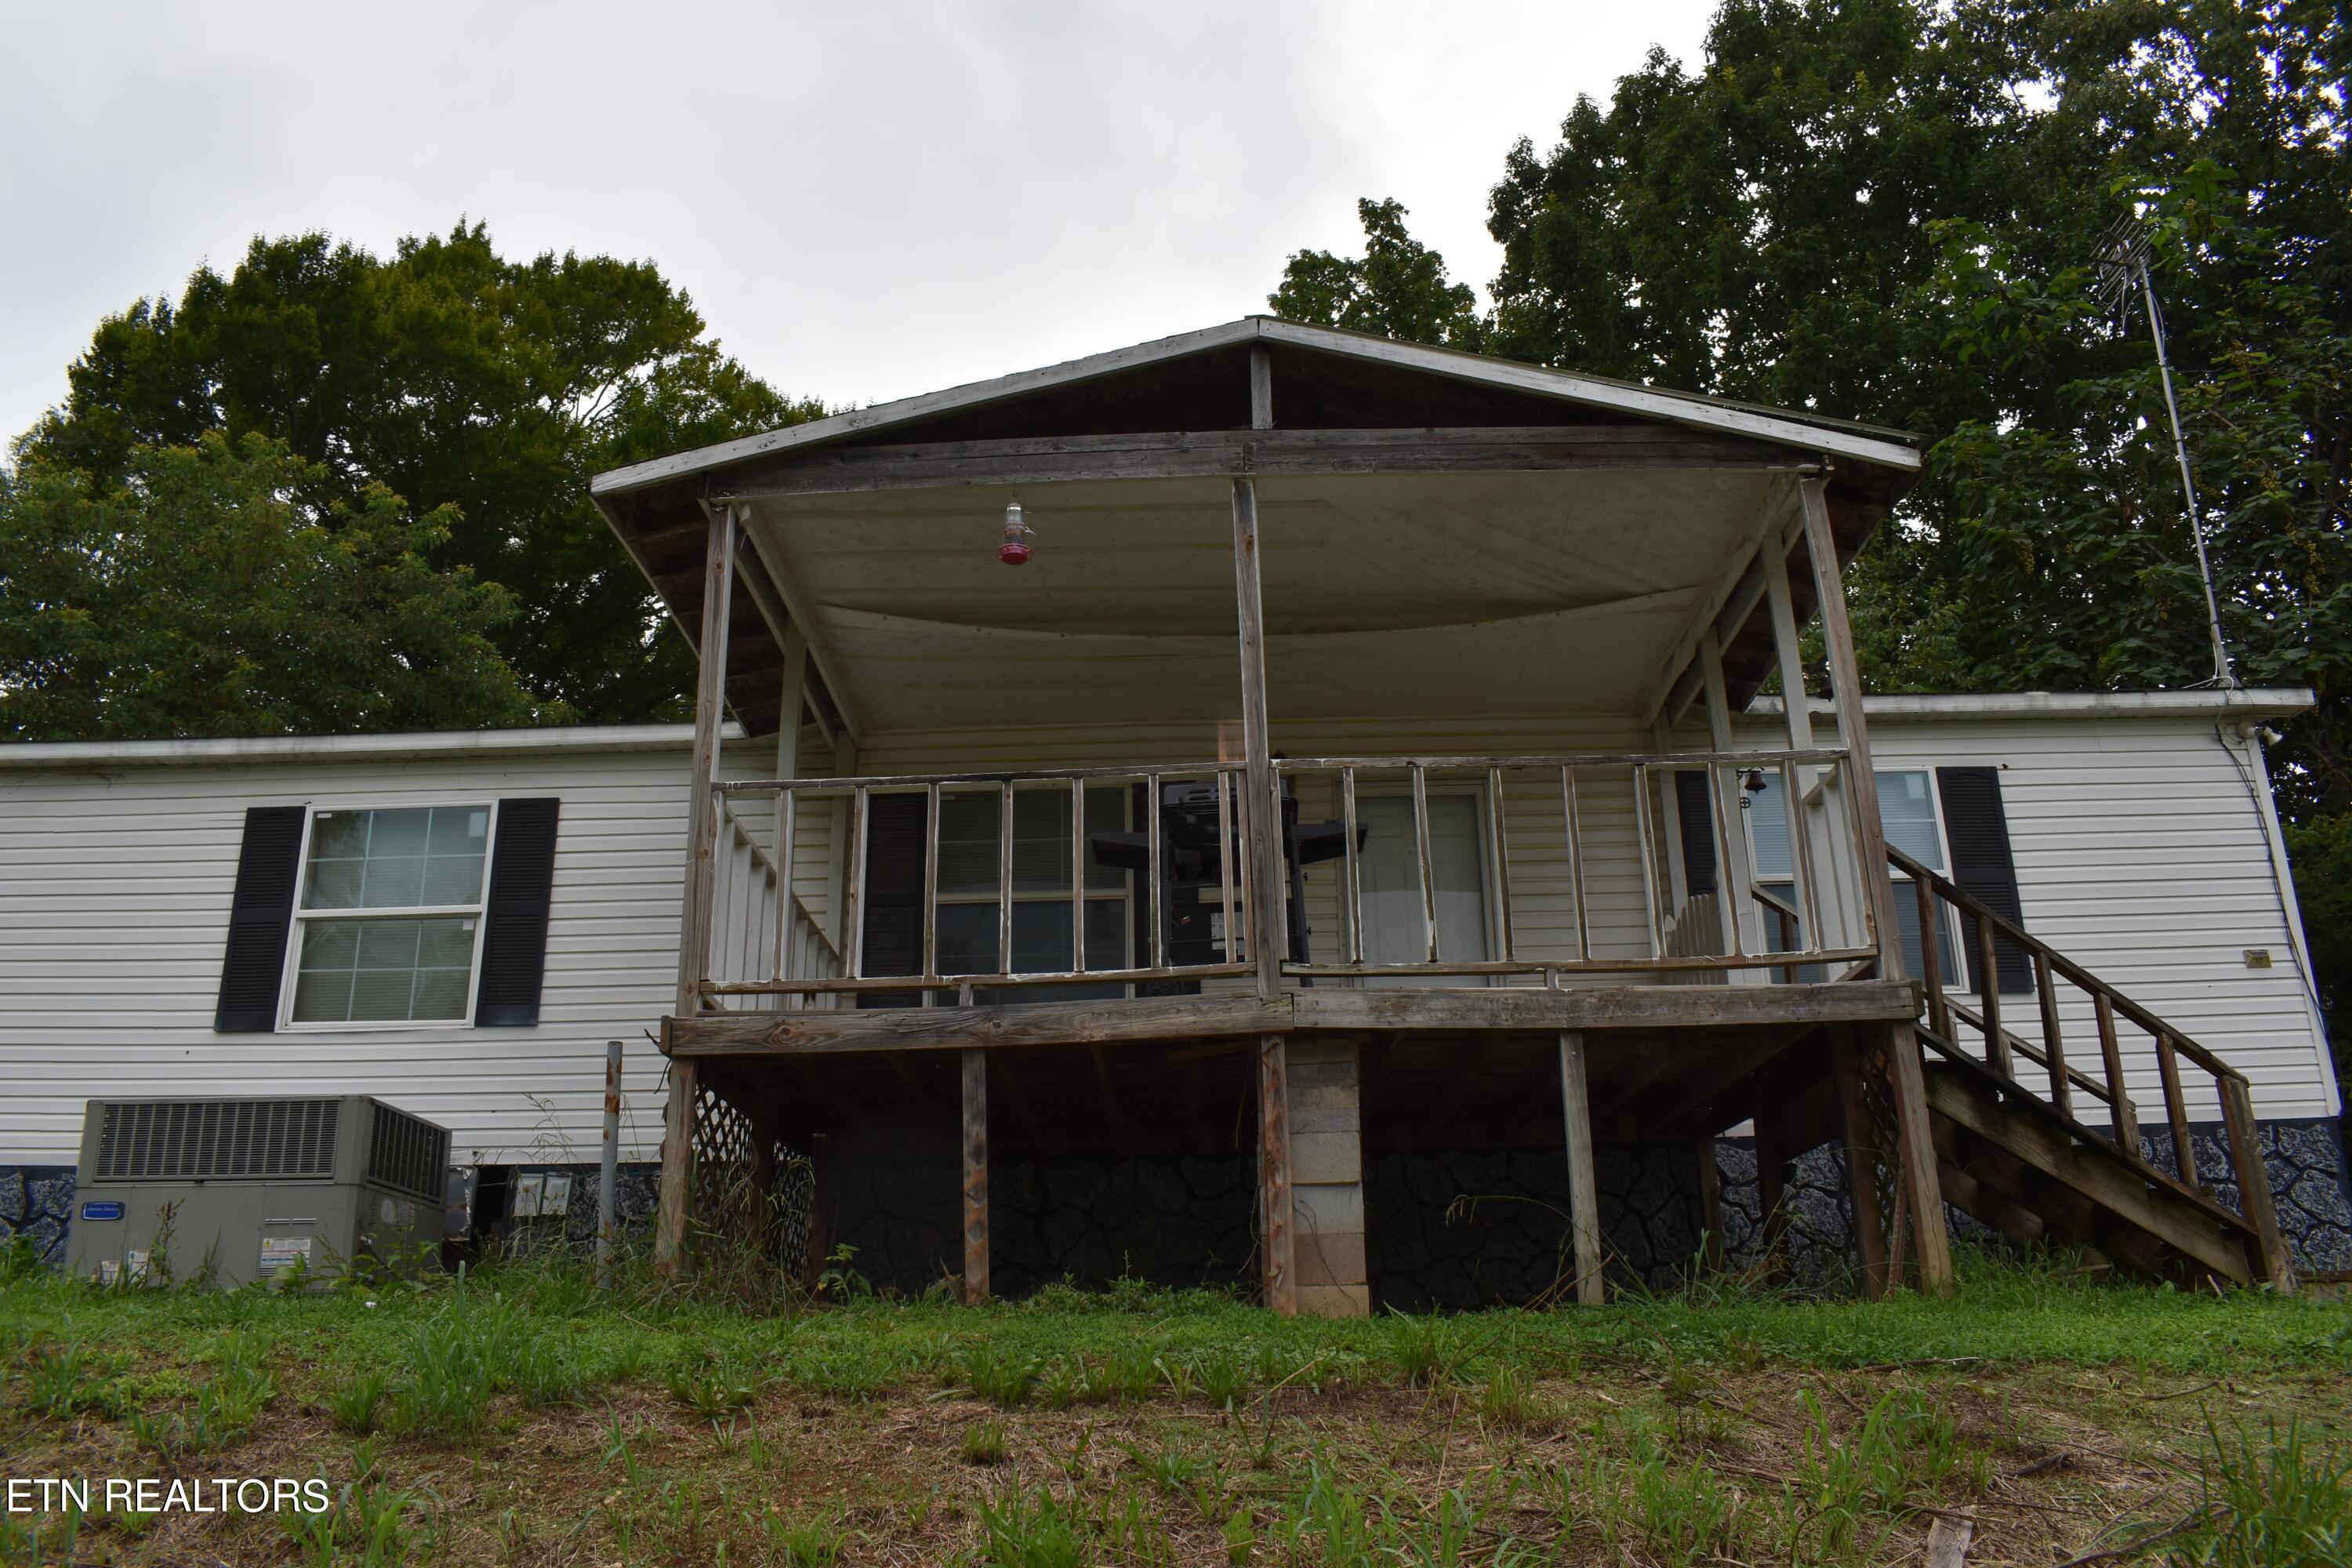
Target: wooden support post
2053 1044
1997 1052
2176 1113
1731 877
677 1167
1710 1203
1583 1179
2255 1200
1846 682
702 806
1772 1159
1906 1073
1862 1169
1274 1184
975 1176
2126 1115
1915 1138
1262 808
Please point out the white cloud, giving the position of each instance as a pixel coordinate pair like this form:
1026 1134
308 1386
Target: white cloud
866 201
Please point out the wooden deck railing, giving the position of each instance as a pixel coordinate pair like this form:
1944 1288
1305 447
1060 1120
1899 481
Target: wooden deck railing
765 945
1671 940
851 975
1984 933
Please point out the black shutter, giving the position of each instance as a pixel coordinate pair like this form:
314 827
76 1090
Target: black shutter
892 939
522 883
1978 830
260 914
1699 832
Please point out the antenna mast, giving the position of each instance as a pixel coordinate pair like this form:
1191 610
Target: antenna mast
2122 267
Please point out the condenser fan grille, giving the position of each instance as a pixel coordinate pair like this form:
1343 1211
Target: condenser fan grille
139 1141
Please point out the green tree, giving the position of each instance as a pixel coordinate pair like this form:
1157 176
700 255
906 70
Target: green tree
200 595
1397 289
459 379
1885 210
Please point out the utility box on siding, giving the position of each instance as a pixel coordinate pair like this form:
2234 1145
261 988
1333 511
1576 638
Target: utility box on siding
253 1187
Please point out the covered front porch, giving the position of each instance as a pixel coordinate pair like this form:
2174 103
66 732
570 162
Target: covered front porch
1342 691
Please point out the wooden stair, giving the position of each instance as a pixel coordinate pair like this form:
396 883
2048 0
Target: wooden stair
2018 1158
2014 1162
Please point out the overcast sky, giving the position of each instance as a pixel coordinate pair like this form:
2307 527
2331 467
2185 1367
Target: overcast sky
864 200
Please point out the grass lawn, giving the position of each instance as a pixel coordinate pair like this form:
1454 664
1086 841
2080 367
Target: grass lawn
524 1418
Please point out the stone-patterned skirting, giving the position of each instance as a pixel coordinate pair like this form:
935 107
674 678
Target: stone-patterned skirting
1457 1229
37 1203
1181 1222
2305 1159
1490 1227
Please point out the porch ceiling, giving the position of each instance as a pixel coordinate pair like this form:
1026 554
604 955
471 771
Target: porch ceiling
1387 594
1608 501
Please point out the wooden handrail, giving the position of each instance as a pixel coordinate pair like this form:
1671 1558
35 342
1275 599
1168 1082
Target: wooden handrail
2231 1085
2010 931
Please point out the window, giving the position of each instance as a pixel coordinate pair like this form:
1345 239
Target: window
1906 812
389 915
1388 869
969 825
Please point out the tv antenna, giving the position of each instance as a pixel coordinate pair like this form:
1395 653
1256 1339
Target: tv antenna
2120 268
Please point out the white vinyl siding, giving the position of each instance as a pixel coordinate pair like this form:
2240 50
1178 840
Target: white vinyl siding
2141 856
114 902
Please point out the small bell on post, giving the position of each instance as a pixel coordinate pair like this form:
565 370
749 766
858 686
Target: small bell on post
1017 535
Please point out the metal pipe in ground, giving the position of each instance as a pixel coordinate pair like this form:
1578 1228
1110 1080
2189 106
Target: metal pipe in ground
608 1176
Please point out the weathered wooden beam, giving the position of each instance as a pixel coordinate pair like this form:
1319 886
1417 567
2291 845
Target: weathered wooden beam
1261 378
1729 574
1711 1202
821 1031
1907 1081
1261 813
676 1168
767 542
1870 1236
1584 1180
1603 1006
1846 682
975 1176
2090 1170
702 806
1216 454
2255 1200
1278 1259
1159 1019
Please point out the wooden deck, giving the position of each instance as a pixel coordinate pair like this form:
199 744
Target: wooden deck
1180 1019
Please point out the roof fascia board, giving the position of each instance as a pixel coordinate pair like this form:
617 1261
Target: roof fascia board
2262 702
569 738
1831 438
1571 387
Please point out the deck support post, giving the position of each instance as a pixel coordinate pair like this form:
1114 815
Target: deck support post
1772 1191
677 1167
1710 1205
1275 1252
975 1176
1906 1078
1906 1073
1871 1238
1583 1178
1261 828
1846 682
1731 823
2255 1199
701 842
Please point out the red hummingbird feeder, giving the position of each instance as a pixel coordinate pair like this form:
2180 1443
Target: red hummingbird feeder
1017 535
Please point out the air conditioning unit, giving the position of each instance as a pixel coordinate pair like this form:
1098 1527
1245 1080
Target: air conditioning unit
254 1186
